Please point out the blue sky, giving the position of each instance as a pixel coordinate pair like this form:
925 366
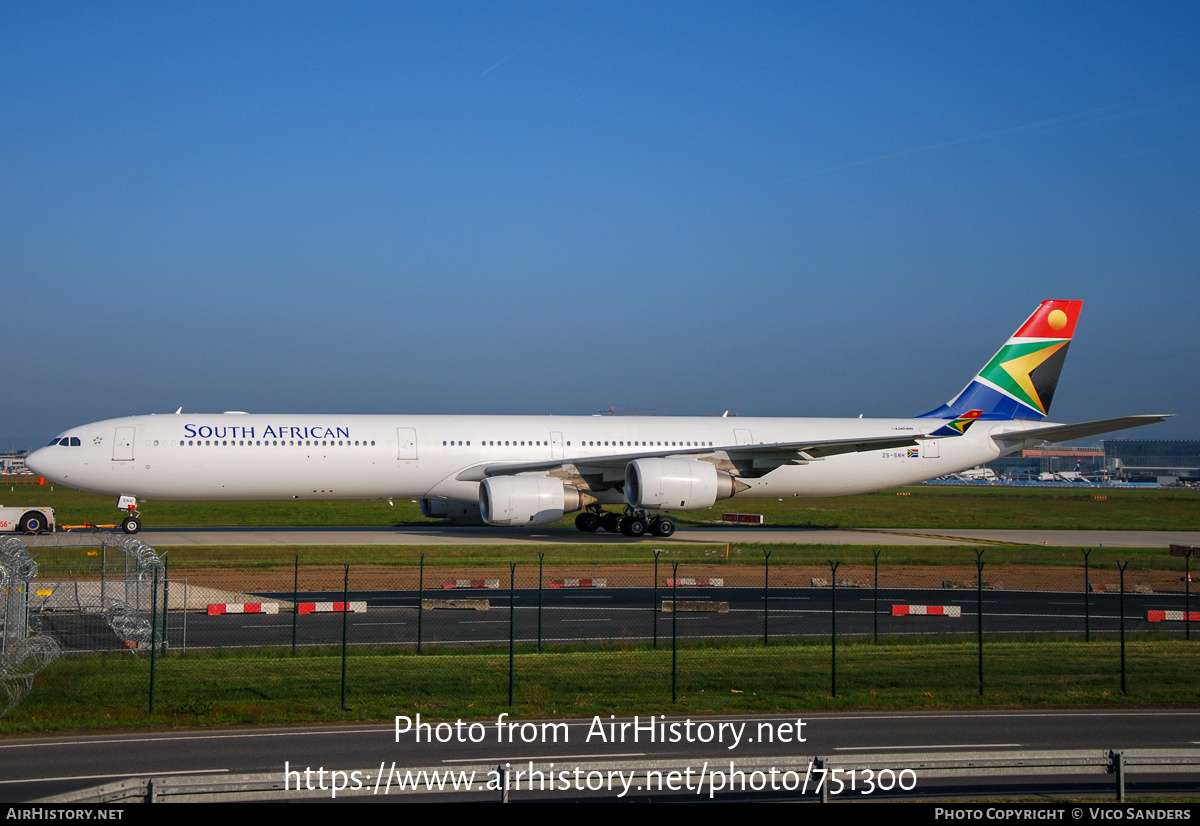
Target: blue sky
779 209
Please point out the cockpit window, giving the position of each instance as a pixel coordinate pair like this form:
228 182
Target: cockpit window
53 442
75 441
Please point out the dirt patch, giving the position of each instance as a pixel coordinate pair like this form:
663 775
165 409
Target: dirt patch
384 577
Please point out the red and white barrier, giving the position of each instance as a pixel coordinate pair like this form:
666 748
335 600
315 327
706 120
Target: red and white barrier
1172 616
331 607
743 518
703 581
470 583
579 583
215 609
926 610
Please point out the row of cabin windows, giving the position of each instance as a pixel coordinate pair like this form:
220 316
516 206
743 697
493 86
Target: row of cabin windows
285 443
487 443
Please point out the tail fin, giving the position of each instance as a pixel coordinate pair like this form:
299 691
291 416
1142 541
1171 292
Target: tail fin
1019 381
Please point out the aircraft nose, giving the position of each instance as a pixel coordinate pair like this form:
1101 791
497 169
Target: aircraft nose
38 461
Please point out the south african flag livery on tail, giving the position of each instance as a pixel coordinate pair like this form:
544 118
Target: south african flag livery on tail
959 426
1019 381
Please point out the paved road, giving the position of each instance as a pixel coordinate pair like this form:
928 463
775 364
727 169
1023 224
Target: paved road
168 537
35 768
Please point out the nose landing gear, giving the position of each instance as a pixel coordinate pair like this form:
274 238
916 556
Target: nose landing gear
133 522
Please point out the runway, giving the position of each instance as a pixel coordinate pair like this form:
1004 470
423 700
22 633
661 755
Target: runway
633 615
433 536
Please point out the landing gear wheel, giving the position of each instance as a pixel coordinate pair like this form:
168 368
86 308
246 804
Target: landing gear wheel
664 526
131 524
610 522
587 522
32 523
634 526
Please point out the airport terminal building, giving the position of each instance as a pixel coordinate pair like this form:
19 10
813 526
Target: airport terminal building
1166 461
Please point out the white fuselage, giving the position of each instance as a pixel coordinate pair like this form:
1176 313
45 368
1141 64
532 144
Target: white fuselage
272 457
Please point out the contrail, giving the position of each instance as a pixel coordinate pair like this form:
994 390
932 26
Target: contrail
1088 116
522 48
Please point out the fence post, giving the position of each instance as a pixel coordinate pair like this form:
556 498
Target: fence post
295 600
674 638
1187 594
875 608
1087 597
153 636
654 602
166 600
766 592
512 584
345 629
1123 566
833 566
979 613
420 600
541 556
185 613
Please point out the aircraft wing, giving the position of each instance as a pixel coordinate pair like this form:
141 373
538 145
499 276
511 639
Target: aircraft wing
777 453
1066 432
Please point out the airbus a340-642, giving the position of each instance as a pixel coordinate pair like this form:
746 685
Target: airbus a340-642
530 470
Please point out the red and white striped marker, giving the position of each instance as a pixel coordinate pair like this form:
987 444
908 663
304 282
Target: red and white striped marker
470 583
215 609
331 607
1172 616
708 582
579 583
926 610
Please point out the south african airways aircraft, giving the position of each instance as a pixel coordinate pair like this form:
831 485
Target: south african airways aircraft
530 470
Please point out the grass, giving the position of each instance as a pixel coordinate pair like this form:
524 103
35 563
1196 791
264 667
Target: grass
251 688
927 506
598 560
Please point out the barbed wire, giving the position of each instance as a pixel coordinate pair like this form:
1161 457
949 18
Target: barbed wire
21 662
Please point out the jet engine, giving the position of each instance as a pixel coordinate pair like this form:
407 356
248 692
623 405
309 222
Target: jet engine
677 484
528 500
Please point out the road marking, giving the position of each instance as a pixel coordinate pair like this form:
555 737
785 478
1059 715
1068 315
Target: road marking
525 758
187 738
952 746
111 776
946 537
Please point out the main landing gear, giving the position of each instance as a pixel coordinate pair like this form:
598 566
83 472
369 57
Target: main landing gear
632 523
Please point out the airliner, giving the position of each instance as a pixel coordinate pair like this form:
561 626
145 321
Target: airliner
531 470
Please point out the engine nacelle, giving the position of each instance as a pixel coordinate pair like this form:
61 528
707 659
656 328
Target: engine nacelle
441 509
676 484
528 500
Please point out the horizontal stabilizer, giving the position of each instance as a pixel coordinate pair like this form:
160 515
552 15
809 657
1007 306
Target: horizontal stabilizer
1066 432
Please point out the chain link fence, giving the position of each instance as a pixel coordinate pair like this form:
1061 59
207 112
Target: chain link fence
23 652
118 597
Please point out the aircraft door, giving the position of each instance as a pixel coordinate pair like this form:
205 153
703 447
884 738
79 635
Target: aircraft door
556 445
406 443
930 449
743 437
123 444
